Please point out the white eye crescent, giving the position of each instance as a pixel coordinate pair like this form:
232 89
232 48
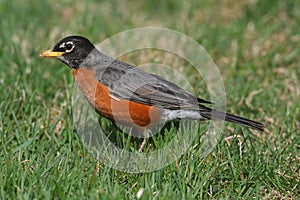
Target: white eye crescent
69 46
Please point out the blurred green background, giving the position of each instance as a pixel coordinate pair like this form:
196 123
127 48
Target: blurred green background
256 45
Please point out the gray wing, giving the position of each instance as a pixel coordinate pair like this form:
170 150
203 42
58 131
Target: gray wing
130 83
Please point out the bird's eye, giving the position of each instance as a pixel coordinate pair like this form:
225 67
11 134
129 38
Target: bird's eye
69 46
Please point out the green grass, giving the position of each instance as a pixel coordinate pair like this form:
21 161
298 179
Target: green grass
256 45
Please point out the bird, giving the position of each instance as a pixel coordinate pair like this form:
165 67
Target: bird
130 96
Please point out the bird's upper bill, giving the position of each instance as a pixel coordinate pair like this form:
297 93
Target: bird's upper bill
51 54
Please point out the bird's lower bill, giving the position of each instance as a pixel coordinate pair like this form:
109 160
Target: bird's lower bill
51 54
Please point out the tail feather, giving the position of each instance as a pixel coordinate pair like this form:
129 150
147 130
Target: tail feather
214 114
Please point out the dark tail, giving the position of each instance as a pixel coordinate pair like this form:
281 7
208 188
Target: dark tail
214 114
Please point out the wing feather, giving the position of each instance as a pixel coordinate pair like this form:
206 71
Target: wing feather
130 83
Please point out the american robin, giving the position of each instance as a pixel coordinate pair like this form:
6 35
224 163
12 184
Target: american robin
127 95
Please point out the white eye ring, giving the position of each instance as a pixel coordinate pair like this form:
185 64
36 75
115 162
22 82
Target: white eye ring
69 46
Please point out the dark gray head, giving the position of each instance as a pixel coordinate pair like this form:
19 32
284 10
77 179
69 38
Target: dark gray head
71 50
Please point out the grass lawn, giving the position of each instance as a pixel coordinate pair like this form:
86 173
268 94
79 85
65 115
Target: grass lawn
256 46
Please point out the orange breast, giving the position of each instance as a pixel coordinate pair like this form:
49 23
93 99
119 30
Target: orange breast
122 111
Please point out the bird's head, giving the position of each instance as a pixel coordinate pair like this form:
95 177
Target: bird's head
71 50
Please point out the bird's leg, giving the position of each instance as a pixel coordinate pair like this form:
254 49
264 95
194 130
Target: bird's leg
142 145
147 134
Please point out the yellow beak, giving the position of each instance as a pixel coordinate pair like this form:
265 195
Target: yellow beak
51 54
